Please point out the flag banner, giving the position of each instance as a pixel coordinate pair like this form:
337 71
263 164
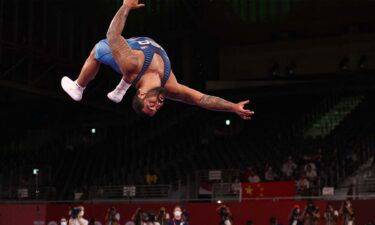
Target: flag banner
268 189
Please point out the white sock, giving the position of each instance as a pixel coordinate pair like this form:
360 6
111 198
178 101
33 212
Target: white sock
82 88
122 87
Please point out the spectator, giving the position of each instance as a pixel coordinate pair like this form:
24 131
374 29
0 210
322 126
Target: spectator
310 173
63 221
253 178
225 215
288 168
151 178
310 215
347 213
311 165
76 216
139 217
162 217
269 175
185 215
177 217
303 184
151 219
236 186
331 215
112 217
295 216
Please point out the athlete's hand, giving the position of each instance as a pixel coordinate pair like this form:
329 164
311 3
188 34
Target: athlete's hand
241 112
133 4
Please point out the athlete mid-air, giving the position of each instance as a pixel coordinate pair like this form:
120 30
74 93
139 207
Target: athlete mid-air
144 65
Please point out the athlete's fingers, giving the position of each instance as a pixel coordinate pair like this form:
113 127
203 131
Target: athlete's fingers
140 6
248 112
244 102
246 117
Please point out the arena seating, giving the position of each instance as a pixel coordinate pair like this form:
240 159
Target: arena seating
184 139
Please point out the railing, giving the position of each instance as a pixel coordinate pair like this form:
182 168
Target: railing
42 193
130 192
226 191
225 175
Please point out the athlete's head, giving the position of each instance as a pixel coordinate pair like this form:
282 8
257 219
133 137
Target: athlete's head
148 103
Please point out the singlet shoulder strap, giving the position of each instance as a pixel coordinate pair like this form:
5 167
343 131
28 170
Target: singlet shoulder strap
149 54
167 66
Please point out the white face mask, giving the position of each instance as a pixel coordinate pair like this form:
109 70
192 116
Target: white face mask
117 216
177 213
63 223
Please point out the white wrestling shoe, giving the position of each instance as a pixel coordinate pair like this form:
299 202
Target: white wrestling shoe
118 93
72 88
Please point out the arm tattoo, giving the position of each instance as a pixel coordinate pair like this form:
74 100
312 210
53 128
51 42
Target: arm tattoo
117 26
215 103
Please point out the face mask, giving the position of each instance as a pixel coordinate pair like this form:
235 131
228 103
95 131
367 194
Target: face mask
63 223
177 213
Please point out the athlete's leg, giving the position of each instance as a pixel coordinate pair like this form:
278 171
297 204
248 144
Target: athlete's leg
118 93
89 70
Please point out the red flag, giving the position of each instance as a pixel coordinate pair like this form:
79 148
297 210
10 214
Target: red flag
268 189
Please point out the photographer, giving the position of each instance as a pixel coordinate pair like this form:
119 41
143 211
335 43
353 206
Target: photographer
112 217
295 216
177 217
331 215
151 219
162 216
347 213
63 221
76 216
310 215
139 217
225 215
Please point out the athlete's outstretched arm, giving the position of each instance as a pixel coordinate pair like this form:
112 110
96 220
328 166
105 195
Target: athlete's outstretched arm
188 95
121 51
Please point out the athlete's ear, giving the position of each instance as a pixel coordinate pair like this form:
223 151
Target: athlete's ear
141 95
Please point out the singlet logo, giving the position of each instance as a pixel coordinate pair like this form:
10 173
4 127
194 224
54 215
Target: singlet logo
147 42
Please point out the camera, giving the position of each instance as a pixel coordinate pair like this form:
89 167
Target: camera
74 212
223 212
151 217
311 208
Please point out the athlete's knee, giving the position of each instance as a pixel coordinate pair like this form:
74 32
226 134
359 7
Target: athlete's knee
92 55
93 52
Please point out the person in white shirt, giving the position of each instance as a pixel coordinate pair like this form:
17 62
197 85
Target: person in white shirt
253 178
311 173
269 175
288 167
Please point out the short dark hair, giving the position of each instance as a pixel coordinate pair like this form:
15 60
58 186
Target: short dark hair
138 105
